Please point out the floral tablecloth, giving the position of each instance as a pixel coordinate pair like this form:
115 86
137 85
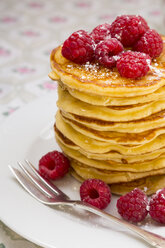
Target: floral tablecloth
29 30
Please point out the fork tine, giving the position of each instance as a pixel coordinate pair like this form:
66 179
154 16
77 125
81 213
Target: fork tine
48 184
35 181
28 185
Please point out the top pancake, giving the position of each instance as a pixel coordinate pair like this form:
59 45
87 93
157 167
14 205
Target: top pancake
93 78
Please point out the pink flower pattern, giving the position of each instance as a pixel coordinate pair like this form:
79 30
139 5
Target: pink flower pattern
83 4
30 33
8 19
36 5
48 85
10 111
107 17
155 12
58 19
24 70
4 52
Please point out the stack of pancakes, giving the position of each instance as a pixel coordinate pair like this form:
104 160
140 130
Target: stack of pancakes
112 128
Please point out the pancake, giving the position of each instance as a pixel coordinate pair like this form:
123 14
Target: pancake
111 165
96 146
111 156
115 137
148 184
111 177
153 121
69 104
93 78
114 101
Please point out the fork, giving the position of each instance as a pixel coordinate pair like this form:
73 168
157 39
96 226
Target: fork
47 193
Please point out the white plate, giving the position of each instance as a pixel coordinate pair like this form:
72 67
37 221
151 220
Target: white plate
28 134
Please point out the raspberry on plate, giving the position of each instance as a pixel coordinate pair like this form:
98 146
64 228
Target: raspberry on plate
133 64
157 206
107 50
79 47
133 206
95 192
101 32
53 165
150 43
128 29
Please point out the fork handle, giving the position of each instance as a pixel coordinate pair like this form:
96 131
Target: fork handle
151 238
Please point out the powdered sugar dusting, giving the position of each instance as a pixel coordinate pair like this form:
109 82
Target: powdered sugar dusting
118 36
94 71
148 208
155 70
90 70
116 57
91 67
145 189
163 196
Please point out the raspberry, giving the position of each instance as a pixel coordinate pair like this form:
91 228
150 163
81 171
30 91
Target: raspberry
107 50
133 64
157 206
53 165
150 43
101 32
79 47
133 206
128 29
95 192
